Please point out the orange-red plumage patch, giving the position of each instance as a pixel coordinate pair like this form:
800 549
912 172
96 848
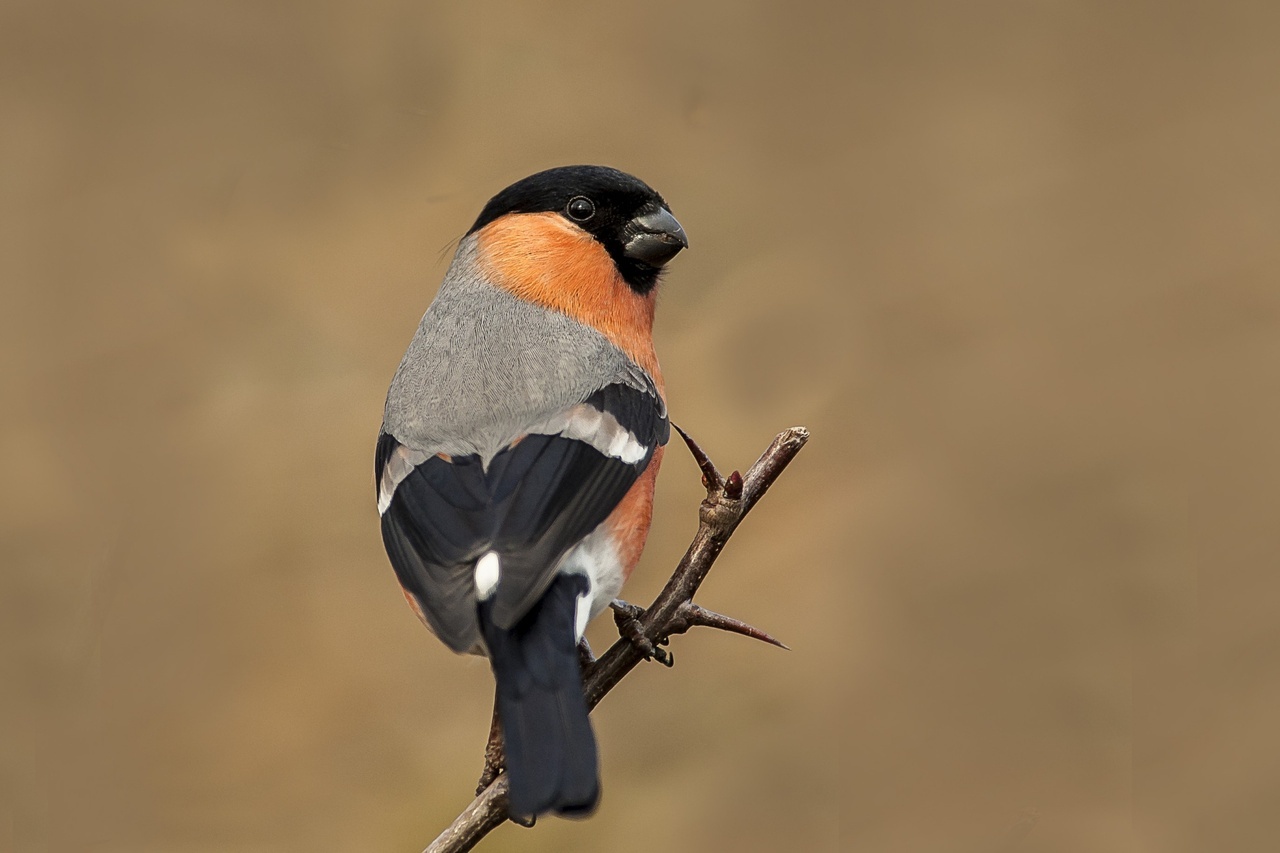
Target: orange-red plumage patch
629 522
545 259
415 606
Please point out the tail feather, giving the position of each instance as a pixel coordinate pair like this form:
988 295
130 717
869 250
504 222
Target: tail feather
552 762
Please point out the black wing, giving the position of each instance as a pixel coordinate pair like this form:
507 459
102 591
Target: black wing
537 498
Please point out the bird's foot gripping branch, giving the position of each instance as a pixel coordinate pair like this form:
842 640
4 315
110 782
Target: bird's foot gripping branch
728 501
627 618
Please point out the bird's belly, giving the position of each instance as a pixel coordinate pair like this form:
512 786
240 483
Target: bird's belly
596 558
608 554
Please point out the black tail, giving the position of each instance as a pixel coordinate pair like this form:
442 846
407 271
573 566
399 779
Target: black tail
550 748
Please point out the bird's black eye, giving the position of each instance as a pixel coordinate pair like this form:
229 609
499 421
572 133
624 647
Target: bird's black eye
580 208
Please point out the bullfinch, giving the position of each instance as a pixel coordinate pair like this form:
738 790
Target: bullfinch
519 447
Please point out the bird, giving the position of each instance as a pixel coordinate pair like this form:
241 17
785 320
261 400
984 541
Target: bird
520 443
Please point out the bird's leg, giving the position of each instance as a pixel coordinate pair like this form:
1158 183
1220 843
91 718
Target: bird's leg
627 618
585 657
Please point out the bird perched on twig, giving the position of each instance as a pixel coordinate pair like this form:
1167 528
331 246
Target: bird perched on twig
519 447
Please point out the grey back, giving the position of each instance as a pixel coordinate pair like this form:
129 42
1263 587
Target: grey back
485 365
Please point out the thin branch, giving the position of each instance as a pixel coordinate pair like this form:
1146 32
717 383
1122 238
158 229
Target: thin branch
728 501
493 757
485 814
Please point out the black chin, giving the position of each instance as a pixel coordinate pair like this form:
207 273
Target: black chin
640 276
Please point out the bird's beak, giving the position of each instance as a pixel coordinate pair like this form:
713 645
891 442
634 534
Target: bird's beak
654 238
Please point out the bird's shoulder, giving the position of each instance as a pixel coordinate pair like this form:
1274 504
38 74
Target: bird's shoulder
484 366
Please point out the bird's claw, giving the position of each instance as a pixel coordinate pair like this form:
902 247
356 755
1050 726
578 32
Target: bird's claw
585 656
627 618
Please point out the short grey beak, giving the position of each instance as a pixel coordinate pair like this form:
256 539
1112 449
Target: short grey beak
654 238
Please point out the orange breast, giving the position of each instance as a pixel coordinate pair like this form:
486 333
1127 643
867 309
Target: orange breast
629 522
545 259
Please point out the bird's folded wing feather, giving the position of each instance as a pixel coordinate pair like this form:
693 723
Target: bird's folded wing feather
535 498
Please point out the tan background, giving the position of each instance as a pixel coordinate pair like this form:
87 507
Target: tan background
1015 264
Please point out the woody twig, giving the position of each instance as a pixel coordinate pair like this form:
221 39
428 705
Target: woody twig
645 632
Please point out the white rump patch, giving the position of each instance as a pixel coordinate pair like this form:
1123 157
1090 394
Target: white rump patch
488 571
581 615
400 464
599 429
596 559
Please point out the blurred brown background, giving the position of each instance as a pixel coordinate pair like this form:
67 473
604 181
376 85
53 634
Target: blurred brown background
1015 264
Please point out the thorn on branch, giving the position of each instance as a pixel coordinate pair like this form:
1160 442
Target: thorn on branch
689 615
711 478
